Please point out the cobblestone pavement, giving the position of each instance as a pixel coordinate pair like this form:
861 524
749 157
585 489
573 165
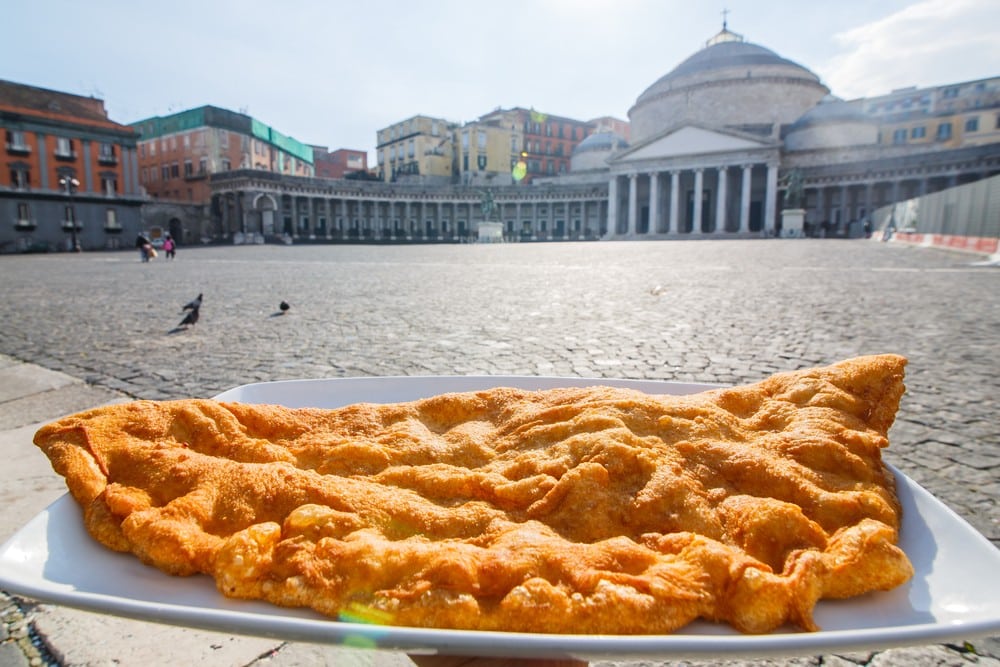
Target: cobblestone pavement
714 311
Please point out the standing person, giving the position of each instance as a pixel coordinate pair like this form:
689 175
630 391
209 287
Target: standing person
169 247
143 244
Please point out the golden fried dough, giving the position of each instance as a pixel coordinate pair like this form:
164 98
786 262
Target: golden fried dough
578 510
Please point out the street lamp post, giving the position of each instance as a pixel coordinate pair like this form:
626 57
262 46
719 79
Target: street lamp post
71 184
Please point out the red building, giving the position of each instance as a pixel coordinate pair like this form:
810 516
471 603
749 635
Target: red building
547 141
70 173
339 163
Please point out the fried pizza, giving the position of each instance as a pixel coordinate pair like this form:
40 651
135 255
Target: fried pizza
575 510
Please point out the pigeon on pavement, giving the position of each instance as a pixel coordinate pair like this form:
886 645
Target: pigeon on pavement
193 304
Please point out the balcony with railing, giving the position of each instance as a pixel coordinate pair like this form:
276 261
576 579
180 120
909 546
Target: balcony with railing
18 148
25 224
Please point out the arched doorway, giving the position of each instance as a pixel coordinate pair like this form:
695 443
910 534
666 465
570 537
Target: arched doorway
176 230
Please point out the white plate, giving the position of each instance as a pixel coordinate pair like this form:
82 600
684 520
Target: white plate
955 594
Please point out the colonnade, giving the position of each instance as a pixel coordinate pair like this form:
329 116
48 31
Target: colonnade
833 206
371 212
718 200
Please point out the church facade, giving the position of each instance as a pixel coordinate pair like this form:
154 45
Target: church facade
719 147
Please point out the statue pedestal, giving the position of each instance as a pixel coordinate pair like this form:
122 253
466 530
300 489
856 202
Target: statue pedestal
792 220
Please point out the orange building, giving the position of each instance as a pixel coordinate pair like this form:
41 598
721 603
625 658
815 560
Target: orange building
70 176
547 140
178 153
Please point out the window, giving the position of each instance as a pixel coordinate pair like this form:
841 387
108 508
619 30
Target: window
224 139
109 185
163 144
152 149
64 147
203 165
173 143
972 124
175 170
188 168
142 150
434 128
481 140
226 164
106 154
111 219
465 140
950 93
20 177
165 169
16 142
23 212
899 136
918 132
944 131
411 148
187 141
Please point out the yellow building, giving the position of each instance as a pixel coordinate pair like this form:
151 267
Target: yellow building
486 152
418 148
956 115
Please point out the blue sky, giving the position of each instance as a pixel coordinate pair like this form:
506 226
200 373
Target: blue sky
334 72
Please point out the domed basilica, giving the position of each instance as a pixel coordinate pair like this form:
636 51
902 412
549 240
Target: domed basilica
734 134
736 141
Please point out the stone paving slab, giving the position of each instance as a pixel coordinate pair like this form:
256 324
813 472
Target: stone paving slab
724 312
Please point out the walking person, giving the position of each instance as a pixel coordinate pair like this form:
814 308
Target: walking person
169 247
144 246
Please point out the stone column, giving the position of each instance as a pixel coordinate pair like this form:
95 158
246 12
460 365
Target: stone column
328 211
770 197
699 183
869 200
518 225
720 203
820 205
745 198
612 207
845 209
633 204
654 203
673 224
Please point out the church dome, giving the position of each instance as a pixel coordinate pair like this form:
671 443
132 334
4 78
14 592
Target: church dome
729 83
832 122
592 152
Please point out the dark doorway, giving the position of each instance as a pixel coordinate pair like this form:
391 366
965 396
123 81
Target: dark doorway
756 216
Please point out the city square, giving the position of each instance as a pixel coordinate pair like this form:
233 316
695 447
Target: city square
724 312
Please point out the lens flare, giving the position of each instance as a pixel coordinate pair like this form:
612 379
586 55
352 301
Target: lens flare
520 170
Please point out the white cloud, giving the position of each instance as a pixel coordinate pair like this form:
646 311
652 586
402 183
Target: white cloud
922 45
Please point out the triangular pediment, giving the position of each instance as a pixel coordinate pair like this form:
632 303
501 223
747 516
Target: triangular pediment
691 140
